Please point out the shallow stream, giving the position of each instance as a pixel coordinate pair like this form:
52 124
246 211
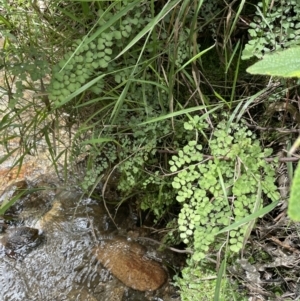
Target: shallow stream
79 254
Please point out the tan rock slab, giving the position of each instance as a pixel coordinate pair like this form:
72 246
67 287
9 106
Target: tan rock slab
127 261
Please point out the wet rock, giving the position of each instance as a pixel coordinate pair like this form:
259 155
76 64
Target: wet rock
127 261
13 189
19 241
51 216
10 195
29 202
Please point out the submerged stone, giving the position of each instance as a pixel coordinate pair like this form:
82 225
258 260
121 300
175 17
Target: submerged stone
127 261
19 241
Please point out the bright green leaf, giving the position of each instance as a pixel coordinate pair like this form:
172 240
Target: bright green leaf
284 63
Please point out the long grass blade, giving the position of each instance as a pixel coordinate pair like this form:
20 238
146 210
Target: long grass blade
182 112
149 27
219 281
250 217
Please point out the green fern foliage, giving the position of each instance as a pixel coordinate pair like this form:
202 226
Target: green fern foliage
276 30
221 187
86 60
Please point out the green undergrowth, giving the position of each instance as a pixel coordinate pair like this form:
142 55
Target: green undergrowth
273 28
220 185
199 283
132 151
159 104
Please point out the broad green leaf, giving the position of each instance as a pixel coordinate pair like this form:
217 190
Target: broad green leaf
284 63
294 202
